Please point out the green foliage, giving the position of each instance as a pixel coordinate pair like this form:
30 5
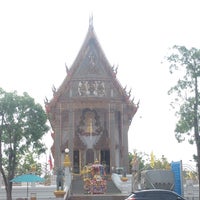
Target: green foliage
29 164
186 122
145 161
161 163
187 63
22 125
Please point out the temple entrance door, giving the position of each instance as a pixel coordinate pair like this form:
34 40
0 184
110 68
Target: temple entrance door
105 159
76 162
89 156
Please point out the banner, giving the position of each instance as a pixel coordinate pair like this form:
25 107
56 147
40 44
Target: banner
176 168
50 163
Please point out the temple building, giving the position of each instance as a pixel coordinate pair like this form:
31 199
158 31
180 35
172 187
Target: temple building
90 113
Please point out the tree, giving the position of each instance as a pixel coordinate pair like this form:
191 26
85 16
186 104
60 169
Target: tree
158 163
187 63
29 163
22 125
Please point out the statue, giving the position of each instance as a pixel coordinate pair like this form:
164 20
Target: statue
124 178
60 179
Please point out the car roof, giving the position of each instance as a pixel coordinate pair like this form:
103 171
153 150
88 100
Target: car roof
155 190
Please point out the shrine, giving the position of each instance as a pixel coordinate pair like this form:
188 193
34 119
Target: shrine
90 113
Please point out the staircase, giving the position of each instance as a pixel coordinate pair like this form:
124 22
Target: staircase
98 197
78 193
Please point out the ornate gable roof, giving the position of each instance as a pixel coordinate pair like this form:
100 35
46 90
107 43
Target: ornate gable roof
91 75
90 62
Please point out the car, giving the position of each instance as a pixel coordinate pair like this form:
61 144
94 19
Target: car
154 194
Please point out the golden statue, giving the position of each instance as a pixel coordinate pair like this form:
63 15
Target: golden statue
89 126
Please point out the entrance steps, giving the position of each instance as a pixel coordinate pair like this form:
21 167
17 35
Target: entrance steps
78 193
98 197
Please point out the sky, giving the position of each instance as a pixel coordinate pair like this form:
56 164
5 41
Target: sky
37 39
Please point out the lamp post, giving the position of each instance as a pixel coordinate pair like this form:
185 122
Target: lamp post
67 164
63 175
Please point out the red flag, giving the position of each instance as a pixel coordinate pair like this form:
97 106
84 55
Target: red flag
50 162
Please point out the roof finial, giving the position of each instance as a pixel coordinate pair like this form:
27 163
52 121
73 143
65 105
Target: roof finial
91 22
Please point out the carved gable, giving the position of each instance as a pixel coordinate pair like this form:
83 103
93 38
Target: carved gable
91 66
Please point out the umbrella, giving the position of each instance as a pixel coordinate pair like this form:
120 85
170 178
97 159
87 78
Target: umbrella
29 178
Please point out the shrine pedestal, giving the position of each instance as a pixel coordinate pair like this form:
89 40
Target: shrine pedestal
59 193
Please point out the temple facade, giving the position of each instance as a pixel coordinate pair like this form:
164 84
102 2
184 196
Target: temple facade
90 113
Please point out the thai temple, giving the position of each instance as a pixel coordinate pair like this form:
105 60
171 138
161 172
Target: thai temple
90 113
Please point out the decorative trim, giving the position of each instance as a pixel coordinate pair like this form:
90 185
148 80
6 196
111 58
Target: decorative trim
89 123
91 88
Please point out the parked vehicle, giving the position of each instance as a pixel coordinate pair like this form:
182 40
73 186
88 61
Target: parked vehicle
155 194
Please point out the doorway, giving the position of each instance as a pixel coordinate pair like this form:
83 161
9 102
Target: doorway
76 168
105 159
89 156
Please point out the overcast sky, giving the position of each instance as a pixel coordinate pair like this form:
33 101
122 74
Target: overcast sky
38 37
